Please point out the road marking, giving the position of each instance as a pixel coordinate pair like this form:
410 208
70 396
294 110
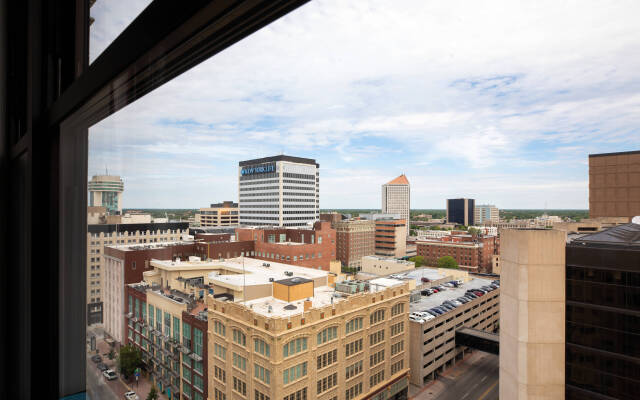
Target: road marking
465 395
482 380
488 390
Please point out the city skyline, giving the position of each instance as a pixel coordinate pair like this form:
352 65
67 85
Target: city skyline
506 116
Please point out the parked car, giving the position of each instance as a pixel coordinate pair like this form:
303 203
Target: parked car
435 289
110 374
430 311
444 309
102 367
415 319
96 359
494 286
426 292
450 303
436 310
447 306
479 292
131 396
471 294
448 284
423 279
463 300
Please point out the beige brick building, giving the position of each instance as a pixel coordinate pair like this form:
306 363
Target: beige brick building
614 185
311 343
218 214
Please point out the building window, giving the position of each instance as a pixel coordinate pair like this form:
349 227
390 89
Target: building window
239 386
397 347
219 374
239 337
327 334
260 396
186 374
376 337
376 358
261 347
327 358
376 378
377 316
198 382
197 341
294 373
176 329
353 391
299 395
220 351
239 362
397 309
295 346
262 373
353 370
326 383
397 328
186 335
219 395
353 347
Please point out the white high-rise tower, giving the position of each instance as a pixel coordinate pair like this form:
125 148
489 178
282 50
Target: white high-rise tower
396 198
106 191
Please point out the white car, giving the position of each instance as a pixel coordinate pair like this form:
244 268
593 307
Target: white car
416 319
131 396
110 374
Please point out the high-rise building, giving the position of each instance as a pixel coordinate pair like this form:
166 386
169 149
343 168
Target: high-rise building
396 198
106 191
486 213
461 211
602 314
279 191
614 184
355 238
219 214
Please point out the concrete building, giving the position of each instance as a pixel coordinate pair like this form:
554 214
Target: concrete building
100 235
106 191
279 191
170 329
461 211
391 238
296 338
374 216
433 347
485 212
614 185
532 320
218 214
385 266
602 302
312 248
355 238
471 252
396 198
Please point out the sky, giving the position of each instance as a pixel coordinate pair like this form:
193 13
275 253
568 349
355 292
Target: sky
500 101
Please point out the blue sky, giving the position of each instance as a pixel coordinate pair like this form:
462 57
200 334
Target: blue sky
493 100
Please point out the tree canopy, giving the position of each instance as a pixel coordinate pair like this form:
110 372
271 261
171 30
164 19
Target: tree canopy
447 262
129 359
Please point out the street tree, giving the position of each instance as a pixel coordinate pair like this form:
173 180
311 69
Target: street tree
447 262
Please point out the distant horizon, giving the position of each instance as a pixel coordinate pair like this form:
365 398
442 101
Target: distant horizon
373 209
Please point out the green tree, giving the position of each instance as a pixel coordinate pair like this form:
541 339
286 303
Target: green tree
412 232
418 260
447 262
474 231
153 393
129 359
111 354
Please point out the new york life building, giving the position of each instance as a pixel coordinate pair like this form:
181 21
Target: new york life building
279 191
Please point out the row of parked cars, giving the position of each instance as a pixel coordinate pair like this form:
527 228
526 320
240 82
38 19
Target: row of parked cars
442 287
110 375
452 304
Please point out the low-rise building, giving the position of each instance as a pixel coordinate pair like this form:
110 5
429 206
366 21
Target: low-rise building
218 214
472 252
391 238
433 348
385 266
296 338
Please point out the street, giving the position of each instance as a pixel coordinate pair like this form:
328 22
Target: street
475 378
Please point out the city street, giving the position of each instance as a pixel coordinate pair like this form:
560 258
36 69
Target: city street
475 378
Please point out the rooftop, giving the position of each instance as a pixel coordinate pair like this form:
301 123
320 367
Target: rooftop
621 235
299 160
401 180
436 299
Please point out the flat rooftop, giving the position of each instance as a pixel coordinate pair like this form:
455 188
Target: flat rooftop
148 246
417 274
436 299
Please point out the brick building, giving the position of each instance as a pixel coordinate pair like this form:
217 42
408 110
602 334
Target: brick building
313 248
614 185
471 252
355 238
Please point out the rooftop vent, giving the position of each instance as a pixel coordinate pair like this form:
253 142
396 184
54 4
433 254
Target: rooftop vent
290 307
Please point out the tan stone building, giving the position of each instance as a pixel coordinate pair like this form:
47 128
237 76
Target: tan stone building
396 198
385 266
219 214
532 321
614 185
101 235
306 340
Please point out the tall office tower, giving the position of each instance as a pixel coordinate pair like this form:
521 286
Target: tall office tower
461 211
106 191
279 191
484 213
396 198
614 185
602 319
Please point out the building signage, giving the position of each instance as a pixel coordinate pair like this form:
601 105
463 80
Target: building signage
258 169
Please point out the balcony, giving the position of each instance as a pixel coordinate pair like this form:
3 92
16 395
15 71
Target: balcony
195 357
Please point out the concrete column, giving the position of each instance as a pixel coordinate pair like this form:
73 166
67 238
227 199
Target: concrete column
532 314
